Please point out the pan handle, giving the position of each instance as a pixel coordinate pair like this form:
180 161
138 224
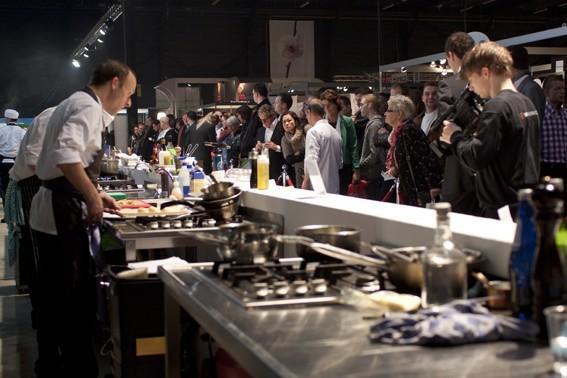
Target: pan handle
346 255
179 202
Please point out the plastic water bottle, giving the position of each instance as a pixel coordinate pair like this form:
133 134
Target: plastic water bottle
522 256
185 180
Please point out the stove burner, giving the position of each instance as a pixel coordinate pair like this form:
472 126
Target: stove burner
284 283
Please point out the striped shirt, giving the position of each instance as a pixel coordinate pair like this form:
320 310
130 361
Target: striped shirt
554 135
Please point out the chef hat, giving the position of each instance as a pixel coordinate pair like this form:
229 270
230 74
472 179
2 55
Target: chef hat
11 113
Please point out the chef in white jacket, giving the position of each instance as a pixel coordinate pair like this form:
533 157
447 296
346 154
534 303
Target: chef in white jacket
10 138
62 212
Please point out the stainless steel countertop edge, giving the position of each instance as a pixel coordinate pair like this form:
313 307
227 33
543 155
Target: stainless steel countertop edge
244 350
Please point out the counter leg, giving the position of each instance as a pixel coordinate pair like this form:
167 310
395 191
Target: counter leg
172 336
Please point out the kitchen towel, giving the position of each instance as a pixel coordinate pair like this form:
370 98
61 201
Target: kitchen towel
456 323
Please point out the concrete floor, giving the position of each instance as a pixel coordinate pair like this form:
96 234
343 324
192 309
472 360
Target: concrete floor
18 347
17 338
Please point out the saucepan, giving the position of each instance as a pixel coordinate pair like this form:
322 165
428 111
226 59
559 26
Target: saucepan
339 236
404 265
242 243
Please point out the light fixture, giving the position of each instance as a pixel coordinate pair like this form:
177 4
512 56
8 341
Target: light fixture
215 2
86 55
444 72
442 61
432 64
76 63
99 40
404 69
305 4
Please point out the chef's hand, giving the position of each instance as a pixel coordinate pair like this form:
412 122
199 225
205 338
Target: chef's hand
448 129
95 208
259 146
109 204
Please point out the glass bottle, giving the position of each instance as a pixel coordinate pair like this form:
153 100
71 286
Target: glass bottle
548 275
522 256
444 265
253 158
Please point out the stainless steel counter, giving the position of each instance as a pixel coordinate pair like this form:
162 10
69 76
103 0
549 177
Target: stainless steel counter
325 341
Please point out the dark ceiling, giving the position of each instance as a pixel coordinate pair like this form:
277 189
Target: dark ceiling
536 10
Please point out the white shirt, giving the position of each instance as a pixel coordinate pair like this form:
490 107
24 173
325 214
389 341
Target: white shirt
428 119
73 135
270 131
31 147
11 136
323 144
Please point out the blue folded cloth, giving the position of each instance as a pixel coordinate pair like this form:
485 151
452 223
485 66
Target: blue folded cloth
459 322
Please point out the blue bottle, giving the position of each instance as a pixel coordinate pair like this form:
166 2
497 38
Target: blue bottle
522 256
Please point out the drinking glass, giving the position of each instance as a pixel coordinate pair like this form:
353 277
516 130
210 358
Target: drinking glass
556 317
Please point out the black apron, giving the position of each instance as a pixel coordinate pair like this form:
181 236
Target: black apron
66 293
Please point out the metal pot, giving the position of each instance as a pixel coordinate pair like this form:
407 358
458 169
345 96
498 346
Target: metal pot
404 265
219 190
109 166
339 236
222 209
243 243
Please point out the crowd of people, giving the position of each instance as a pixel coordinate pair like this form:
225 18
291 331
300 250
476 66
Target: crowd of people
479 137
474 141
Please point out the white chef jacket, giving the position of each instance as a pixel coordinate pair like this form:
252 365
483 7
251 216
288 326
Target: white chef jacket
323 144
73 135
11 136
31 147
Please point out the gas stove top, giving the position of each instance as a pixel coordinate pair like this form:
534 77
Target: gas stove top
288 282
147 227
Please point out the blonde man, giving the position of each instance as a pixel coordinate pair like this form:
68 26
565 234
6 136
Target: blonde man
504 151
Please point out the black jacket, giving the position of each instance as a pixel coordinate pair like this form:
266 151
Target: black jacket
458 181
248 139
529 88
276 158
504 151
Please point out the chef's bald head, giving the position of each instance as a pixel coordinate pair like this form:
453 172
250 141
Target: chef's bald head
108 70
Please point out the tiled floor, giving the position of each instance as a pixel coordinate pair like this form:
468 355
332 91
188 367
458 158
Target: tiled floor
17 338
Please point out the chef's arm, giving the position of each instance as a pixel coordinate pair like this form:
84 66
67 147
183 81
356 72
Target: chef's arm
76 175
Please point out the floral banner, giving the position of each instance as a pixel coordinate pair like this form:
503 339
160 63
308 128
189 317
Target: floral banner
292 51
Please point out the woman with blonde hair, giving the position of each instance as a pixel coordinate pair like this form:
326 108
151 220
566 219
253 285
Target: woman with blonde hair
409 158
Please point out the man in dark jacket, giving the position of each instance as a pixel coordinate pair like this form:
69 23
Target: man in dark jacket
270 137
248 139
458 180
524 81
504 150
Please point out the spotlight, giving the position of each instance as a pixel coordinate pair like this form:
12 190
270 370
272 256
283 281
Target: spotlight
99 40
442 61
86 55
76 63
432 64
404 69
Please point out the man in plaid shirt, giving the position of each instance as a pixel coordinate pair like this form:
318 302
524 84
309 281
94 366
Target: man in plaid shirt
554 130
